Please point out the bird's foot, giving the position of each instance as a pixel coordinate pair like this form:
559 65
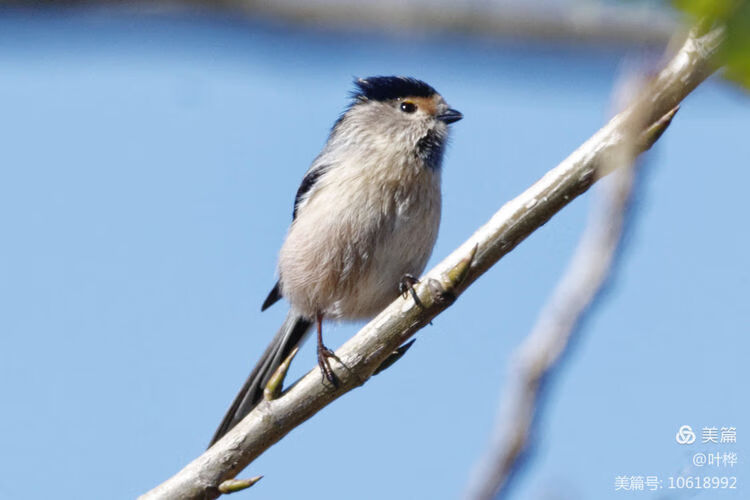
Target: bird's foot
324 355
406 285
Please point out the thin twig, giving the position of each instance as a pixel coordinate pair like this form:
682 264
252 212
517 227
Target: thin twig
365 352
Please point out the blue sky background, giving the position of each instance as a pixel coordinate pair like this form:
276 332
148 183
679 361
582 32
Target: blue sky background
147 171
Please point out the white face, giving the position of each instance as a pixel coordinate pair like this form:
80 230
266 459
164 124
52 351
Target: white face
424 109
402 126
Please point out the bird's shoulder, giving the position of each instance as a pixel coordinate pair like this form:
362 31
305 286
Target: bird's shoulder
309 181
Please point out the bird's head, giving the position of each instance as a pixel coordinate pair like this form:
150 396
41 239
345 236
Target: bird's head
401 113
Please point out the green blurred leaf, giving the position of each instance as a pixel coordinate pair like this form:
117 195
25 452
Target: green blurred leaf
716 9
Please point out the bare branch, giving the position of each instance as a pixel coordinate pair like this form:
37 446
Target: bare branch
549 340
591 22
364 353
603 23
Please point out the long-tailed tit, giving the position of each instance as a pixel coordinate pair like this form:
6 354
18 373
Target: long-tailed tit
365 220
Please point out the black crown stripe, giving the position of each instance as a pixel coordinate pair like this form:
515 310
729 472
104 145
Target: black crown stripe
384 88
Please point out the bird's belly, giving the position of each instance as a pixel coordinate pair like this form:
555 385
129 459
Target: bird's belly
348 265
403 251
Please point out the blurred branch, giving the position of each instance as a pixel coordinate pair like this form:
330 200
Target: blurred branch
549 340
592 22
364 353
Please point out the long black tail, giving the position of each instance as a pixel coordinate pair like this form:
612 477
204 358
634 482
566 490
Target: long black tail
289 335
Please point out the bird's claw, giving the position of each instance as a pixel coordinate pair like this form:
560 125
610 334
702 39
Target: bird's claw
406 285
324 354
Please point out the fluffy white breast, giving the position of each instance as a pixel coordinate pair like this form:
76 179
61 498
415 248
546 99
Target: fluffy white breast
363 226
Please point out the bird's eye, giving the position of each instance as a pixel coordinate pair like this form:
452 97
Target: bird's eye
408 107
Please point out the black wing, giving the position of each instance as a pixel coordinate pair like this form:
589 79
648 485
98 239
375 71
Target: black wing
308 181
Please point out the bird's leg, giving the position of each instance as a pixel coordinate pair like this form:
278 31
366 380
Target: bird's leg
406 285
324 354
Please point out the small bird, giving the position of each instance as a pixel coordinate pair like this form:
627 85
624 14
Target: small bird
364 222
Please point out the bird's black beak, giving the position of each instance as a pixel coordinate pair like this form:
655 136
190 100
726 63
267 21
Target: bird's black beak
450 116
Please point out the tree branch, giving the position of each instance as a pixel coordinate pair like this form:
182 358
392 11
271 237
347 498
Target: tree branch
364 353
550 339
593 22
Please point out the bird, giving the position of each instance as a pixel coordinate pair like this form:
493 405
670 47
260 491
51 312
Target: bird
364 222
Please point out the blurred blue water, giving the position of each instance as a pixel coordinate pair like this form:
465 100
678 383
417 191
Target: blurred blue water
147 172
